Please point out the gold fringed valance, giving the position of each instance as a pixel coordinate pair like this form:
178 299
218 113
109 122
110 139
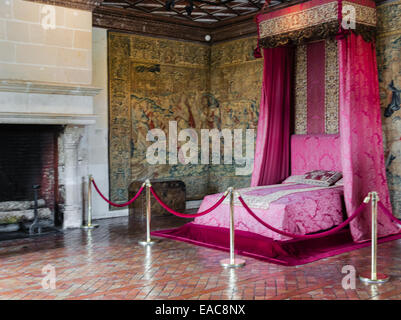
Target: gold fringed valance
314 20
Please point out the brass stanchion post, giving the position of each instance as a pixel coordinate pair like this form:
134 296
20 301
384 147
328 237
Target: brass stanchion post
148 241
89 224
232 262
373 276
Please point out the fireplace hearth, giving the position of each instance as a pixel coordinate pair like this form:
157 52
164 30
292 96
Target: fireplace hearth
29 156
43 141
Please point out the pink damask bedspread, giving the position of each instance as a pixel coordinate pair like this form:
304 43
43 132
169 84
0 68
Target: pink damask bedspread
295 208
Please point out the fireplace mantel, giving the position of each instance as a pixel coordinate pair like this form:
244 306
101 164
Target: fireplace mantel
28 102
46 88
46 118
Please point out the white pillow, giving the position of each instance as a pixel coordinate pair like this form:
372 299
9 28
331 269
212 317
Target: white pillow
294 179
321 177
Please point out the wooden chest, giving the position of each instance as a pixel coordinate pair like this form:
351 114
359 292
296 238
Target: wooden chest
172 192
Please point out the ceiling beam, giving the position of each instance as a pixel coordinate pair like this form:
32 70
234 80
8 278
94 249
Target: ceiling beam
130 14
234 28
141 23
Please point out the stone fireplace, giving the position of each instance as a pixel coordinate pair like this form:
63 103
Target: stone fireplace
44 133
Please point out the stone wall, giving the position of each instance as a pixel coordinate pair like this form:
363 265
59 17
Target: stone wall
34 46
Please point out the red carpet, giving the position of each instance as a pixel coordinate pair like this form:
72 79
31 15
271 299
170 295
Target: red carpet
289 253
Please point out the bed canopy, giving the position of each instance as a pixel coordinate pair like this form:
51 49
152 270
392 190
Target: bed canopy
360 129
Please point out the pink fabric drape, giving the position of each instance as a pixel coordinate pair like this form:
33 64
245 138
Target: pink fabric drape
361 133
272 150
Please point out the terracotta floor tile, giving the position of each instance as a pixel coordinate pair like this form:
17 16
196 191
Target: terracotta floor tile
108 263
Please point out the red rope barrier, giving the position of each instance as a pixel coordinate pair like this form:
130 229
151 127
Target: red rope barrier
388 213
117 204
184 215
311 236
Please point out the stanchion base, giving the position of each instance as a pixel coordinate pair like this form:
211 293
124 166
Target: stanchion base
148 243
89 227
366 278
238 263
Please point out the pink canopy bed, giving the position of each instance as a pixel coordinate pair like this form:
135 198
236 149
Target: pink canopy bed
360 147
340 131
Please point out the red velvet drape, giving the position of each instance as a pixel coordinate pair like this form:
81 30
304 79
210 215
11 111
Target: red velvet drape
362 156
272 152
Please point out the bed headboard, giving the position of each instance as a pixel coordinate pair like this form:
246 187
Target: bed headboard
315 152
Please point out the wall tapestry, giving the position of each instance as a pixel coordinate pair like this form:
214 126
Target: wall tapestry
153 81
388 46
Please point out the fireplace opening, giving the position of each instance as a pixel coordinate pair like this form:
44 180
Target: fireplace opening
28 157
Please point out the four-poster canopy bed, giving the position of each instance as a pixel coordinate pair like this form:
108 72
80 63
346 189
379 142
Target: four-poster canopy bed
360 131
282 192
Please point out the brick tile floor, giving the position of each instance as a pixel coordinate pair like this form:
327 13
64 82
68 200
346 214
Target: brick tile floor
108 263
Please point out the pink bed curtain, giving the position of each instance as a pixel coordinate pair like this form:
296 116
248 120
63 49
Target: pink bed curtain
361 133
271 163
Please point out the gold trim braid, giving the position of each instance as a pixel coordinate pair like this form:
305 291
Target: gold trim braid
300 20
331 87
301 103
298 37
317 23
